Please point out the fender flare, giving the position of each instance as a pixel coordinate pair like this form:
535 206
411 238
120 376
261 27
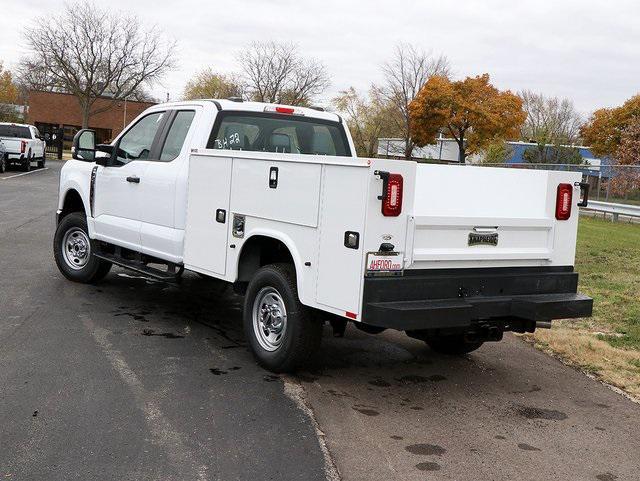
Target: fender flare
289 244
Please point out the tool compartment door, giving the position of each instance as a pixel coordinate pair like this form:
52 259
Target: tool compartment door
205 248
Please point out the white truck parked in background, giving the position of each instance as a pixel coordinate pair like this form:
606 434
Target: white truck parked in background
24 146
273 199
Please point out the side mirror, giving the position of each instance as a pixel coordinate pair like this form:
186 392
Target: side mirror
104 152
84 145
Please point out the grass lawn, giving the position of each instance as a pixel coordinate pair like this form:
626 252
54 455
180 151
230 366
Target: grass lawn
608 344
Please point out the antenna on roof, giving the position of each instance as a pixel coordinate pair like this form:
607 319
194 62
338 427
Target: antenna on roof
235 99
317 107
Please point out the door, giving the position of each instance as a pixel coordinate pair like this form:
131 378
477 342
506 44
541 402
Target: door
117 190
163 189
208 218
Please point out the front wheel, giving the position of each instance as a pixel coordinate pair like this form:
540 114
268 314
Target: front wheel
73 251
41 163
280 330
3 164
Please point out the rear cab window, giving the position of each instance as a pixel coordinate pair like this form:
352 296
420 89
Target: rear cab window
15 131
288 134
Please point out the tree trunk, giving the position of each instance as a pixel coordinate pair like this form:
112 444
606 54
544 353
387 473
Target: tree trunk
85 108
408 149
462 154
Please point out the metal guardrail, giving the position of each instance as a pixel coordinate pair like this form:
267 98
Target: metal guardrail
615 210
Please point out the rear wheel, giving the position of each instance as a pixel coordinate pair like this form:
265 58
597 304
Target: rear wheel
452 345
73 251
41 163
26 163
3 164
280 330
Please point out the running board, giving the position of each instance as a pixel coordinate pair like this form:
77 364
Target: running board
172 275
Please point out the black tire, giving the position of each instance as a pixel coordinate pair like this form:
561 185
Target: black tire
26 164
3 164
41 163
302 334
454 345
89 268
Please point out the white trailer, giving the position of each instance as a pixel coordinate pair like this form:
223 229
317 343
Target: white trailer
273 199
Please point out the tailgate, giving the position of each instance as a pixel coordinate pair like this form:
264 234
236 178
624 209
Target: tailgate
489 217
11 145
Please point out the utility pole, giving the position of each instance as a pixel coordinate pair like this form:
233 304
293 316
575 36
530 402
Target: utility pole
124 114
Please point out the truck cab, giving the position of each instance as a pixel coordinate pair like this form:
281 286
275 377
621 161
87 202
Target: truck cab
272 199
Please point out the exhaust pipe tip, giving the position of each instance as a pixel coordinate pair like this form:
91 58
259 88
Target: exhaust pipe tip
543 324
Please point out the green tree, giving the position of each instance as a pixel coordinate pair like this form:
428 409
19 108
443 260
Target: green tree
497 151
207 84
9 97
368 117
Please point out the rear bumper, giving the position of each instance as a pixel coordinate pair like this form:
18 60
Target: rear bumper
460 298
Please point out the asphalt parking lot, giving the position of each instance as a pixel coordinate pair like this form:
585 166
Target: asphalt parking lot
137 380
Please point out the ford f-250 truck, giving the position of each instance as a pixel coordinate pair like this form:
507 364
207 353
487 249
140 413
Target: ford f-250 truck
273 199
23 144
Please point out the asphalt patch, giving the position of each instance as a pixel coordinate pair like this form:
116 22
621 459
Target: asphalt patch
366 411
606 477
426 449
538 413
528 447
168 335
380 383
428 466
417 379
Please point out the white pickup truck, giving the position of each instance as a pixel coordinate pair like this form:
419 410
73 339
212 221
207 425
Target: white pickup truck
23 144
273 199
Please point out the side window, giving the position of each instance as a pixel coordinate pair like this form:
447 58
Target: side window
136 143
177 133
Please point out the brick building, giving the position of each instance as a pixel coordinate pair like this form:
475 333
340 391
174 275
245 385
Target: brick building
52 112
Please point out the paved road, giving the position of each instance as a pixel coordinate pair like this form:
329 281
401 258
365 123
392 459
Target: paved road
132 379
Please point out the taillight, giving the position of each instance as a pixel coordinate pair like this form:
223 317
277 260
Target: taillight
563 201
23 146
392 196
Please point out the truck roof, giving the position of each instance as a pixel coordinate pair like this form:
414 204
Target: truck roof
16 124
247 106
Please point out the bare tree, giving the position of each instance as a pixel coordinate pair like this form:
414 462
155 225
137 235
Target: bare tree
277 73
550 120
553 124
90 52
405 74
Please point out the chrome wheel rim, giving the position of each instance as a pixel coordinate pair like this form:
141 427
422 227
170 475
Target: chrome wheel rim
76 248
269 319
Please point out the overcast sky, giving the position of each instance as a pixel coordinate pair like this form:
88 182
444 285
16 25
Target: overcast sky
586 50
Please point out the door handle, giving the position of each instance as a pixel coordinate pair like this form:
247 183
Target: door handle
133 178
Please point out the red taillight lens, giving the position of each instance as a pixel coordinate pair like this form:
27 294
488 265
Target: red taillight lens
392 201
563 201
23 146
284 110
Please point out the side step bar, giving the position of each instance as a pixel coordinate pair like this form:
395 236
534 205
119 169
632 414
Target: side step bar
172 274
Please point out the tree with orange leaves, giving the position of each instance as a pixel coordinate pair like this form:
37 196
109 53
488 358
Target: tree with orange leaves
604 130
472 111
615 133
